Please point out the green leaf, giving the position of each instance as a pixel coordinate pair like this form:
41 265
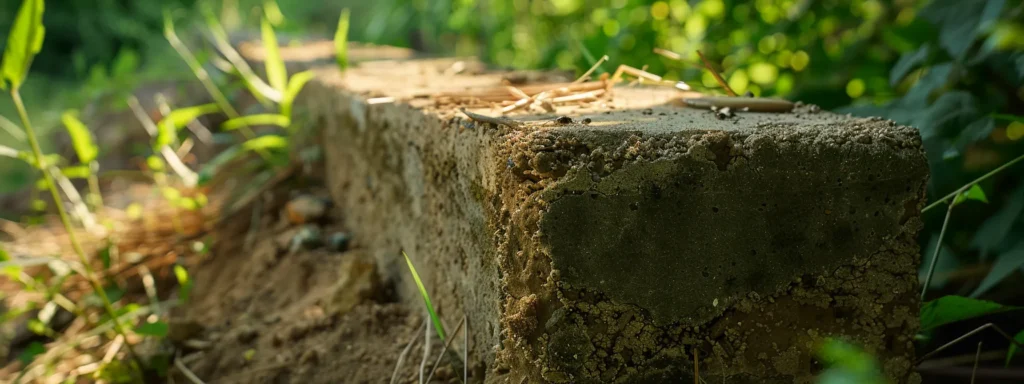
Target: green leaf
847 364
426 298
125 64
1006 264
76 172
908 62
273 12
23 43
957 21
976 193
168 126
341 40
211 167
295 85
34 349
184 283
277 75
951 309
253 120
973 193
155 163
104 255
976 131
1019 119
1013 347
936 77
952 110
989 15
996 228
155 329
4 256
265 142
81 138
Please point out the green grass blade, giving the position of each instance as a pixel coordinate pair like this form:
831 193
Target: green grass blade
23 43
168 126
81 138
426 298
253 120
273 12
277 75
295 85
341 40
1019 337
256 85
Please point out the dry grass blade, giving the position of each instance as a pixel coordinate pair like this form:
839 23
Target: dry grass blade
426 346
492 120
696 368
592 95
185 371
977 356
405 353
465 351
183 171
445 349
718 77
969 334
668 54
643 75
501 94
590 71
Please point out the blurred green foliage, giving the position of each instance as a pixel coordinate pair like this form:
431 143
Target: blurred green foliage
83 33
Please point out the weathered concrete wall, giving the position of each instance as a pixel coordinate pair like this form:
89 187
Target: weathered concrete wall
615 251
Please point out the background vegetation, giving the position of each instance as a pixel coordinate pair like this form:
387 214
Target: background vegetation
952 68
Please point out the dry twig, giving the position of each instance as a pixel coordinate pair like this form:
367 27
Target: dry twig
718 78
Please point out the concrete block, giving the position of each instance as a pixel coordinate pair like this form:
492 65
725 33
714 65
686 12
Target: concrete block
636 239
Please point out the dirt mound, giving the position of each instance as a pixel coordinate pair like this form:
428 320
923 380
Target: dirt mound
283 302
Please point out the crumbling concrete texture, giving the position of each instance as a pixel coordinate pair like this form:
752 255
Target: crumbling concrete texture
640 244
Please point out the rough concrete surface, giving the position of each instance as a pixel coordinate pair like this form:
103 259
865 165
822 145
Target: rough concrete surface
632 247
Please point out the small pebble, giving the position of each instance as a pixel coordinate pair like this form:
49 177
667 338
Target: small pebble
339 241
306 208
723 113
309 237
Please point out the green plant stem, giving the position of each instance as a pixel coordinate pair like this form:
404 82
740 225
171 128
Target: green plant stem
976 181
95 197
938 248
90 275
